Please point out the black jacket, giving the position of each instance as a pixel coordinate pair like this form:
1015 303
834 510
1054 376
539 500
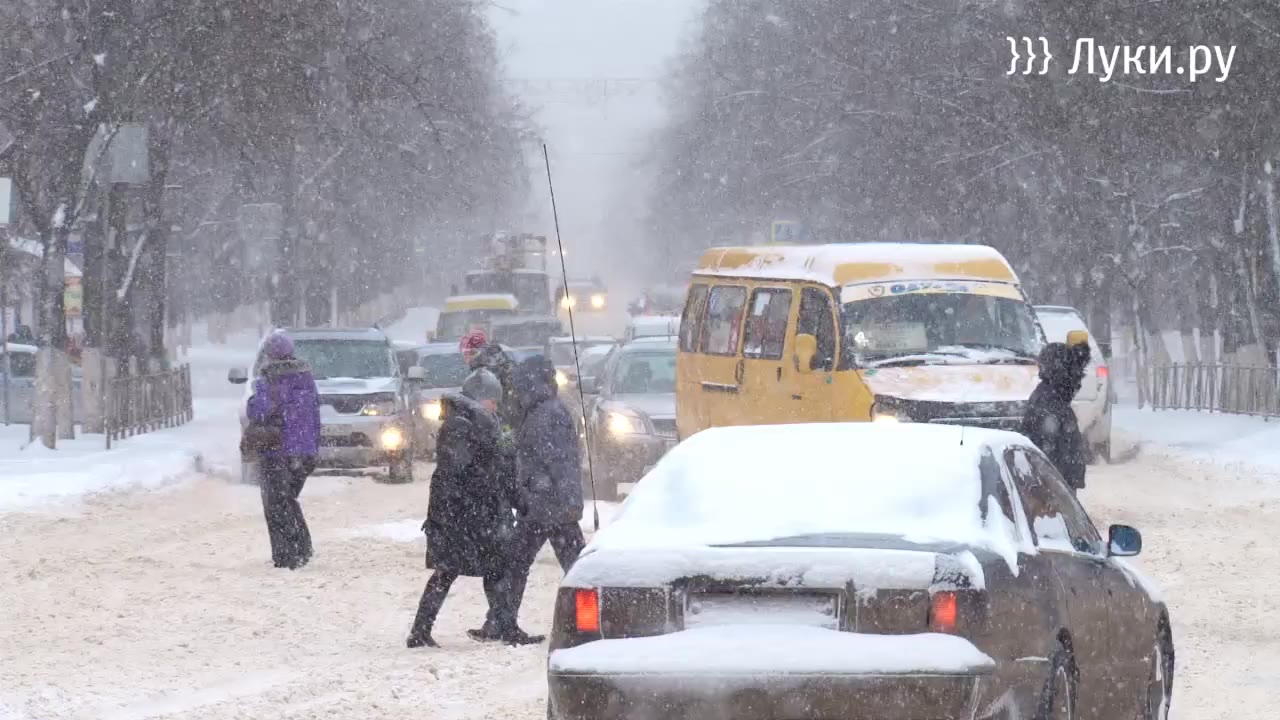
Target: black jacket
494 359
1049 421
549 478
469 518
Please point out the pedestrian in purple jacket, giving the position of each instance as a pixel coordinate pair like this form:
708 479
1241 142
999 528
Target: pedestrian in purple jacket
286 395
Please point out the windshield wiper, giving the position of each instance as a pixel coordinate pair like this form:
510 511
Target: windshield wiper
1020 357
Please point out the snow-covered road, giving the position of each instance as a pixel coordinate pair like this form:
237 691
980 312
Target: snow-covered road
162 604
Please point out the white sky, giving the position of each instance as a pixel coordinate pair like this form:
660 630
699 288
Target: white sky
594 137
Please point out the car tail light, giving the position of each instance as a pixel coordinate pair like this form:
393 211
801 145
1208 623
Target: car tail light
1103 372
587 610
943 612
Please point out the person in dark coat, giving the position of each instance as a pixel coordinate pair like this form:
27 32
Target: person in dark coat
470 522
1049 421
286 395
548 482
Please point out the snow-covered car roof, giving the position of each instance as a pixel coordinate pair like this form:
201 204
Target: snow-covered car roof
592 339
334 334
732 485
837 265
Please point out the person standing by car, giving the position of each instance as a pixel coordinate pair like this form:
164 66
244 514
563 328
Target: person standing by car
1050 422
547 476
286 405
469 523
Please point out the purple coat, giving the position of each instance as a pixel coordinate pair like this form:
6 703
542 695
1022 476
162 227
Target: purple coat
291 383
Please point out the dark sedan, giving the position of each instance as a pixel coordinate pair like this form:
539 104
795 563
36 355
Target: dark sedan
632 419
902 572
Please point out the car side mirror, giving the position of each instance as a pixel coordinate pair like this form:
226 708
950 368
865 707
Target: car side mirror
417 373
238 376
1123 541
806 349
1078 337
589 385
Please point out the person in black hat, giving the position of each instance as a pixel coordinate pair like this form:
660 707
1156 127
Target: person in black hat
1049 421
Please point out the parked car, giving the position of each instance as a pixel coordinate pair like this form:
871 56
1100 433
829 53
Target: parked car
860 570
444 370
631 419
365 416
1097 395
20 364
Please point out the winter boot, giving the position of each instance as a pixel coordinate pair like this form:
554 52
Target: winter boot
487 633
518 637
421 639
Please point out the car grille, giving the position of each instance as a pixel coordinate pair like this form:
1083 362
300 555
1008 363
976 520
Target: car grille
665 427
354 440
344 404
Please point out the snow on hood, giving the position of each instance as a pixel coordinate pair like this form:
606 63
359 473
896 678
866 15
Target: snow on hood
357 386
773 650
757 483
954 383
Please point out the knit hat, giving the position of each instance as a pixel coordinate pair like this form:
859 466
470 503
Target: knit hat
279 346
482 385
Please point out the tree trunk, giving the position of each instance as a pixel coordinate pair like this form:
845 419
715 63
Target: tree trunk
52 331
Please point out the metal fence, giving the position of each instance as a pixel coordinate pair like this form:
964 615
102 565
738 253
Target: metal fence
142 403
1231 389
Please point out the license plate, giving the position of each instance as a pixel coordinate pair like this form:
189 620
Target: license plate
784 608
338 430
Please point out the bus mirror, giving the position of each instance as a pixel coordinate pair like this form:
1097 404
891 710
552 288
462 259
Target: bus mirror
806 348
1078 337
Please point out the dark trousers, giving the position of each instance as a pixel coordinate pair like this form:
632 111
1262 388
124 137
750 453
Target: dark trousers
281 484
438 588
566 540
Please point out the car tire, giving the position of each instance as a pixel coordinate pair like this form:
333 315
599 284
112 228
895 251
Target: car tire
1159 694
1058 697
1103 450
604 482
400 472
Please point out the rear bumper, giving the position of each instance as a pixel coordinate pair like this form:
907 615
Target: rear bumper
798 697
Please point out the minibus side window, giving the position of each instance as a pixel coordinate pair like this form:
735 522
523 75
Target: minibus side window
723 322
691 319
816 320
766 331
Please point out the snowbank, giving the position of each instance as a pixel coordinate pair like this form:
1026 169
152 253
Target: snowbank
32 475
773 650
733 485
1217 438
415 324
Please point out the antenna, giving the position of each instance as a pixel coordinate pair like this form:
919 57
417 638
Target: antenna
573 338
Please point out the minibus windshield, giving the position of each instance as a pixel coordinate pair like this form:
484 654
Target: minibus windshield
938 329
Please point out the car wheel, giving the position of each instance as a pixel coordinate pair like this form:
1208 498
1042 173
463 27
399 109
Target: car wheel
1058 697
1160 687
1103 451
401 471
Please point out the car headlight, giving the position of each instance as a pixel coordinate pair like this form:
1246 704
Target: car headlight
380 408
597 302
568 301
883 413
432 410
392 438
624 424
561 378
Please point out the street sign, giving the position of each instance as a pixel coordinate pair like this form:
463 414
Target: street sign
785 232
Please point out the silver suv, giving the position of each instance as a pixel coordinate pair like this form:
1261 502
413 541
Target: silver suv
365 415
